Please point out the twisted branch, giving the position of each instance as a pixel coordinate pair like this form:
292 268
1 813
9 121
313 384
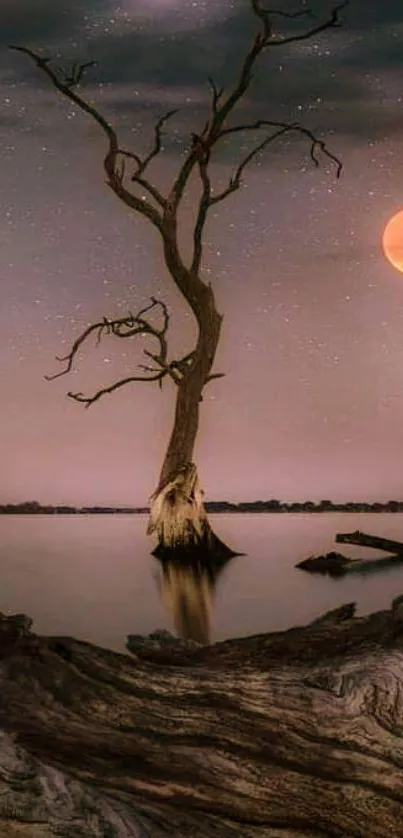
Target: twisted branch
207 199
216 94
65 84
284 128
89 400
199 154
157 143
267 38
76 73
219 112
198 157
122 327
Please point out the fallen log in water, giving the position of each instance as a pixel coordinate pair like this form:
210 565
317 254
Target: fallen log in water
364 540
335 564
284 735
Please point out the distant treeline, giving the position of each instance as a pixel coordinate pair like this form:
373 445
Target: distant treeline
35 508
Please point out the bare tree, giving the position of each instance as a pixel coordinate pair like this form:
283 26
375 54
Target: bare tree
177 516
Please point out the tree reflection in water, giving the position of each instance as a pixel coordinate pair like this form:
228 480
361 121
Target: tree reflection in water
186 588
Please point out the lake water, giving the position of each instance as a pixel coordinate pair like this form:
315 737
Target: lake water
93 577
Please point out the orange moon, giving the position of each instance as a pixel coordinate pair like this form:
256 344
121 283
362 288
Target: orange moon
392 241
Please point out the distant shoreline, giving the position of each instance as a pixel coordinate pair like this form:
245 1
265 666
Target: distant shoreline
271 506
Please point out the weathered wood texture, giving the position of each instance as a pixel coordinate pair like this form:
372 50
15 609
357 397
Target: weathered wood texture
280 735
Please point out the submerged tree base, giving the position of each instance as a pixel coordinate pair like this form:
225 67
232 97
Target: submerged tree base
283 735
179 521
202 551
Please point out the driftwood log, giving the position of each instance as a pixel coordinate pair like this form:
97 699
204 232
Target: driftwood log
335 564
285 735
364 540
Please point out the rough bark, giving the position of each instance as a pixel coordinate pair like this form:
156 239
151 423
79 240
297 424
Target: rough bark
177 514
283 735
202 302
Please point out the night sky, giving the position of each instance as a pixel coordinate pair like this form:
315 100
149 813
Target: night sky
312 403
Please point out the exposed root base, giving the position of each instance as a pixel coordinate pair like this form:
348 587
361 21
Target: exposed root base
179 521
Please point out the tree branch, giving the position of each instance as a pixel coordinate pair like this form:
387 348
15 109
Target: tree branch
215 375
204 205
198 294
177 369
89 400
202 145
143 163
128 327
145 184
208 200
216 94
280 13
157 143
113 173
332 23
262 41
123 327
284 128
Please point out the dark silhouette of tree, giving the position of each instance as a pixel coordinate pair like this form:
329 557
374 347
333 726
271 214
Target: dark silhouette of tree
178 518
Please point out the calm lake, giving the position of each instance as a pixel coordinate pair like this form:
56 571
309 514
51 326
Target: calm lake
93 577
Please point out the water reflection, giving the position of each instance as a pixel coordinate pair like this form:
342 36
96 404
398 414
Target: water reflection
187 590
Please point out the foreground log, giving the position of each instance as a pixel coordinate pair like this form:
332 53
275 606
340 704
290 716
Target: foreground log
284 735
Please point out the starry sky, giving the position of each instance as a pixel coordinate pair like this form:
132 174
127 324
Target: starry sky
311 405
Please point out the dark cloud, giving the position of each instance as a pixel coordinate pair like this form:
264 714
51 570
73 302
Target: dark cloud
47 22
50 26
329 90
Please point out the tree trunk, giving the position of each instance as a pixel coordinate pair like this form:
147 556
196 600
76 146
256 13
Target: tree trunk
296 734
177 515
